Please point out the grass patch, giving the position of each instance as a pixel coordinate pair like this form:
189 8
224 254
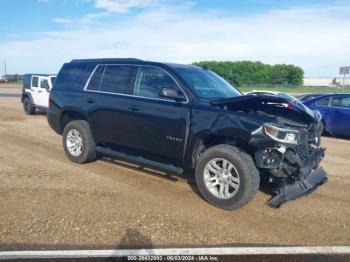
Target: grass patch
298 89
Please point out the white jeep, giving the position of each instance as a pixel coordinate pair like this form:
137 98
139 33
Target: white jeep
35 93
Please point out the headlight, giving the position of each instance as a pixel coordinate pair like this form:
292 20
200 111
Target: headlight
283 135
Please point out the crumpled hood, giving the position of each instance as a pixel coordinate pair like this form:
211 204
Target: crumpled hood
271 105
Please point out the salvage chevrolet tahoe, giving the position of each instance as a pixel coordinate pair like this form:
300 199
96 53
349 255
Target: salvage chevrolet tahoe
173 117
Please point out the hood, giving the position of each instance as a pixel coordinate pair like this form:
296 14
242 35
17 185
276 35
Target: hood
270 105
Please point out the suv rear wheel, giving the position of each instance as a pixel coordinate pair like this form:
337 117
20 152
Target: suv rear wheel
28 108
78 142
227 177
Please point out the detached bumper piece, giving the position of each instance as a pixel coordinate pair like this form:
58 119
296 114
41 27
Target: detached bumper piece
299 188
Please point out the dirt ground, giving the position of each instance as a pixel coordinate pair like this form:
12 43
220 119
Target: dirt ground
46 201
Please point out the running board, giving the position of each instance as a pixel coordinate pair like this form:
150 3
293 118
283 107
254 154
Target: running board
140 160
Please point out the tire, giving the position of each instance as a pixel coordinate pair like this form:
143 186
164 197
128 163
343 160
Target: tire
86 143
28 107
244 171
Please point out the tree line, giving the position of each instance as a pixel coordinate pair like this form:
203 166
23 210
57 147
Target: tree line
251 73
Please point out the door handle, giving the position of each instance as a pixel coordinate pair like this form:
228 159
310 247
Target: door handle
91 100
134 108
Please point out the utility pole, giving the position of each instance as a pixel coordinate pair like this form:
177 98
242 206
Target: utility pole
5 67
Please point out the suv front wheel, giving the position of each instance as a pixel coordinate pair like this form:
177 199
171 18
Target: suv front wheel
227 177
78 142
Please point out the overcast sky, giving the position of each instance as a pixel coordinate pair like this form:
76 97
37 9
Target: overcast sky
40 35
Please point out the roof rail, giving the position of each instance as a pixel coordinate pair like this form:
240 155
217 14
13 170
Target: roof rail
105 60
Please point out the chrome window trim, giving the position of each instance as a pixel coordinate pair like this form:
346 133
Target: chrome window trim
120 94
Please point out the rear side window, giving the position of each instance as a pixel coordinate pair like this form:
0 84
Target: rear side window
323 102
35 81
71 74
96 79
118 79
341 102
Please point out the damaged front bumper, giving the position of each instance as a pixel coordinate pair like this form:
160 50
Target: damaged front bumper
292 176
298 188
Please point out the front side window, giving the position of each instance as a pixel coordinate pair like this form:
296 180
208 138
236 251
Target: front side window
118 79
323 102
341 102
35 81
44 83
206 84
151 80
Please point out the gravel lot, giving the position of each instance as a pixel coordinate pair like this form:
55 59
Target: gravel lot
46 201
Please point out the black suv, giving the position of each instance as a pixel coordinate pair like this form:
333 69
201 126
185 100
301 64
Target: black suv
173 117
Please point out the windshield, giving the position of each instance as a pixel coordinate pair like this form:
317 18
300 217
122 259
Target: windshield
206 84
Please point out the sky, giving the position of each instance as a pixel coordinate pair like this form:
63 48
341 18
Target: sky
41 35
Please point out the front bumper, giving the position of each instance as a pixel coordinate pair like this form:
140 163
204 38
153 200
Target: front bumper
298 188
291 175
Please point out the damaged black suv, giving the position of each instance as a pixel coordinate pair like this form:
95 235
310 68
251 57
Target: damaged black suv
173 117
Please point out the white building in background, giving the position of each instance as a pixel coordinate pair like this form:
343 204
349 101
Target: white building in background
325 81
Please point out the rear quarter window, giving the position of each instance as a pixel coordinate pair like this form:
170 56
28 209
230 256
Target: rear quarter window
26 81
73 75
323 102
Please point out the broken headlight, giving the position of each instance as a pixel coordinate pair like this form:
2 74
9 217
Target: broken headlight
282 135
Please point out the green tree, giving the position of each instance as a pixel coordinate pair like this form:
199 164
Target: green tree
247 73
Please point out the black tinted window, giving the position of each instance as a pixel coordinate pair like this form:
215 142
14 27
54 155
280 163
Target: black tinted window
323 102
26 81
95 81
35 81
73 75
44 83
341 102
151 80
118 79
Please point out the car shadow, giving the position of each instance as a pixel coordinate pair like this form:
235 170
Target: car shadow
139 168
188 175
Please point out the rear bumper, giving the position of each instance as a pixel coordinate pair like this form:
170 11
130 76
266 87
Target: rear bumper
53 120
299 188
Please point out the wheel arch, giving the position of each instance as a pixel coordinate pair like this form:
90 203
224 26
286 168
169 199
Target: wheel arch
69 115
208 140
27 95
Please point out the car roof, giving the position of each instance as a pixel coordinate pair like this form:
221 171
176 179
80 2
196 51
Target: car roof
130 61
32 74
325 96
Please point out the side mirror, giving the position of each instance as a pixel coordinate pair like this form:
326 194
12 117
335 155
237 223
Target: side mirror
172 93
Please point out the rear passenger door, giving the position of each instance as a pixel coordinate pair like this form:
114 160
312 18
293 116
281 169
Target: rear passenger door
108 99
34 89
43 91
